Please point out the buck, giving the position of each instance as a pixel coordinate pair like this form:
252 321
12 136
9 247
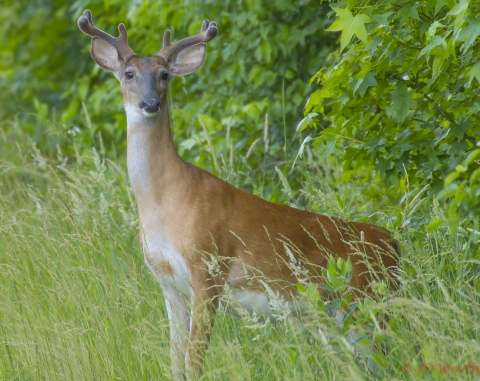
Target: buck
192 222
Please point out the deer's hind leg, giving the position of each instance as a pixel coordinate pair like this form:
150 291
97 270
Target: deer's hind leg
204 308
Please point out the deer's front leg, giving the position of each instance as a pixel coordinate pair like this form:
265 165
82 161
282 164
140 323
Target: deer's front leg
179 321
205 300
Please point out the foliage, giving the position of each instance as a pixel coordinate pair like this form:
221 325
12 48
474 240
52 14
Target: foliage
403 97
259 64
362 314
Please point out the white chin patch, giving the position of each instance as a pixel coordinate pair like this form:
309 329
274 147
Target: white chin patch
137 117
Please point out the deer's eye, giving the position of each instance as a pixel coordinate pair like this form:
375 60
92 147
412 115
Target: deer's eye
129 75
165 76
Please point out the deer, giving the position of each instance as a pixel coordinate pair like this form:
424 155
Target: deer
192 221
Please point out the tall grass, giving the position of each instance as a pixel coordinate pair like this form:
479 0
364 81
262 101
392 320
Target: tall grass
78 303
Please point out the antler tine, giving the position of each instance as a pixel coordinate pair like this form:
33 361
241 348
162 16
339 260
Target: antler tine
207 33
166 40
85 24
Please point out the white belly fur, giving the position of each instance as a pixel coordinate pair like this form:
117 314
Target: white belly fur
158 250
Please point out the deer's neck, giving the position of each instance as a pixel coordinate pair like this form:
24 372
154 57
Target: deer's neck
152 161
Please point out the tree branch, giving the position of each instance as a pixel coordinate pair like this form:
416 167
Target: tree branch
471 139
437 106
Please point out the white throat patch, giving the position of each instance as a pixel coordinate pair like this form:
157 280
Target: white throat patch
140 118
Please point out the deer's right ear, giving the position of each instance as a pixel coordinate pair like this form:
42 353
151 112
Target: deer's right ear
106 55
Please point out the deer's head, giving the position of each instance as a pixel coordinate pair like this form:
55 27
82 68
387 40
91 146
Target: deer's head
145 80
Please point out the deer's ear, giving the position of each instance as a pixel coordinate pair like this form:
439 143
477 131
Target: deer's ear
187 60
106 55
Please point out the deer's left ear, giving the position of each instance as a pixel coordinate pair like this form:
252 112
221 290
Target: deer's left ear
187 60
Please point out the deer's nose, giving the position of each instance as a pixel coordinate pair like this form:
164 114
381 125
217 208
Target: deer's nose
151 105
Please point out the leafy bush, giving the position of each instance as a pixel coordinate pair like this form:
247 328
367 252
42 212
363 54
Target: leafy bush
403 95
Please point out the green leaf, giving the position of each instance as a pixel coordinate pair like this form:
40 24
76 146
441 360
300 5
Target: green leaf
266 50
475 175
474 72
372 145
410 11
439 4
432 30
469 33
337 284
437 64
436 47
402 101
315 102
380 360
301 149
71 111
350 25
41 109
188 143
313 293
340 263
363 84
450 178
434 224
459 11
447 191
307 122
365 70
301 288
460 8
320 305
348 265
472 156
328 147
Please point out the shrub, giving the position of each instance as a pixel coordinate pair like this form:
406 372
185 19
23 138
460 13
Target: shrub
402 97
